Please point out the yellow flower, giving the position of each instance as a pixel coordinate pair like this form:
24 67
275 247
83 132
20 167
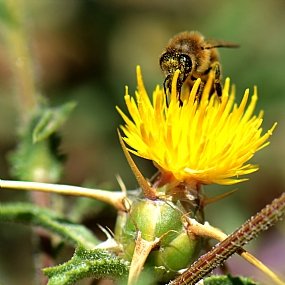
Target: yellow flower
204 142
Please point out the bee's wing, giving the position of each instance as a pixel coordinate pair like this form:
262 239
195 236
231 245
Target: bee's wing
214 43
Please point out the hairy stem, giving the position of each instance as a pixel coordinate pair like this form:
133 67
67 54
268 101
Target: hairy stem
260 222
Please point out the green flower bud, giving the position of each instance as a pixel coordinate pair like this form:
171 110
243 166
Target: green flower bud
177 250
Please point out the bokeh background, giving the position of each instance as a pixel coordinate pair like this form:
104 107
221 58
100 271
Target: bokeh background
87 51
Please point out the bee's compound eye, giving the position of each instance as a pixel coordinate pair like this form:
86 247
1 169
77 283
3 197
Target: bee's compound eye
185 63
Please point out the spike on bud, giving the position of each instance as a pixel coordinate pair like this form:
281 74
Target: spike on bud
148 191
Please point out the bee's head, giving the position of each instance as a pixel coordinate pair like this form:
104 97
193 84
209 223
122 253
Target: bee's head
169 62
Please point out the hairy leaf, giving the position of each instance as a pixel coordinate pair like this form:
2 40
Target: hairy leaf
37 216
36 157
228 280
88 263
50 120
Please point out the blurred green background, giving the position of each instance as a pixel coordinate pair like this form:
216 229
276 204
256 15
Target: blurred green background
87 51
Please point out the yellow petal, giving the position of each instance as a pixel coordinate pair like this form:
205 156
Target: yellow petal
209 141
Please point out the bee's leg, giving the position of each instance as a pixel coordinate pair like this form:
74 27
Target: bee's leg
190 83
200 91
216 68
166 99
179 93
166 87
179 99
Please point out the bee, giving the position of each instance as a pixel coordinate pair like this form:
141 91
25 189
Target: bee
195 57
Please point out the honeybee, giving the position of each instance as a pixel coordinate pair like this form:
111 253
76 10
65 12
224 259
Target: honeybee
195 57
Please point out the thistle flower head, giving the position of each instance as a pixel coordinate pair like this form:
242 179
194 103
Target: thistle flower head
204 141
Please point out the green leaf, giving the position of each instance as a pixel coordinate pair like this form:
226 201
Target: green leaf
40 161
228 280
88 263
51 120
36 162
37 216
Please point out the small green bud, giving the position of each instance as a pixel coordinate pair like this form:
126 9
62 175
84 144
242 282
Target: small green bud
176 250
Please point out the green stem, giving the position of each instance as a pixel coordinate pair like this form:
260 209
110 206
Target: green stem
18 48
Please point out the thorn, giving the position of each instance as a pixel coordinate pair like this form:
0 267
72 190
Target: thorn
148 191
217 198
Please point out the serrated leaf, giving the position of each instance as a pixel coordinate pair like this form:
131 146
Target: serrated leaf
37 216
228 280
51 120
88 263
